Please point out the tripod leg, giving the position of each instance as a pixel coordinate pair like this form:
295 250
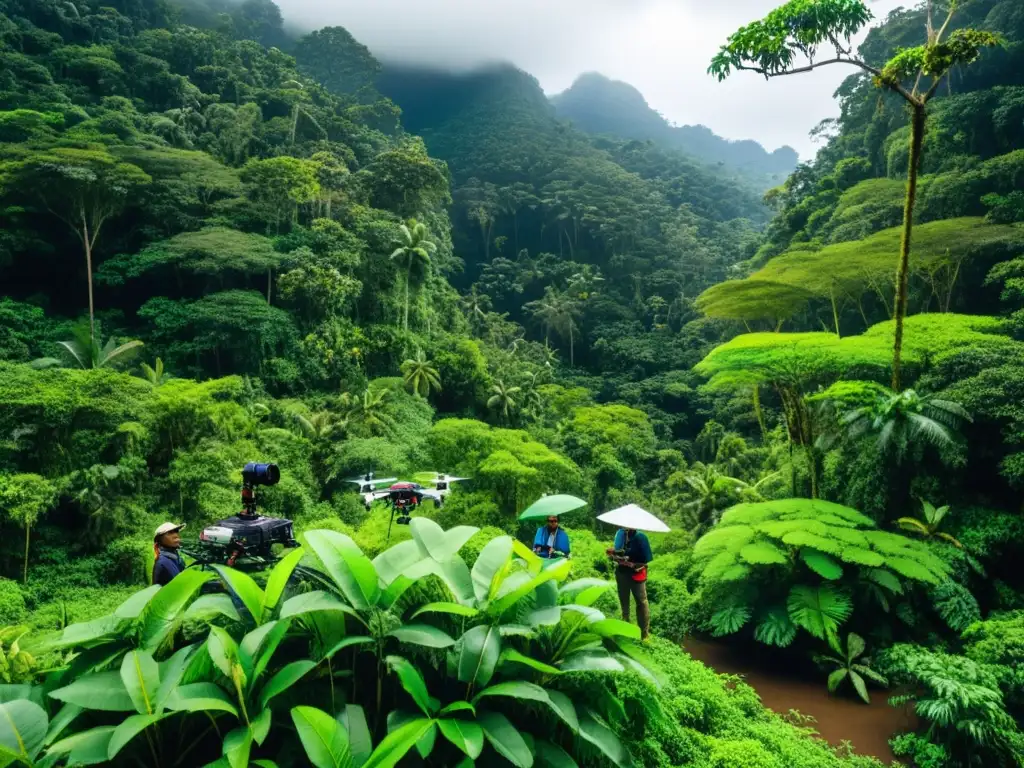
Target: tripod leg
390 523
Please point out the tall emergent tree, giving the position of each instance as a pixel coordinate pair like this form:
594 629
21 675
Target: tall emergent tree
414 252
82 186
799 28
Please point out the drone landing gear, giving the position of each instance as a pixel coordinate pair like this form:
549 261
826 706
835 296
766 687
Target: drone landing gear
399 514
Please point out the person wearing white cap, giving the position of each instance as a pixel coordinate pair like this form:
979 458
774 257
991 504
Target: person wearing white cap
168 563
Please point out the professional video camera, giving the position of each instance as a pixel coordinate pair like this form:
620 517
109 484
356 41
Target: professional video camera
246 540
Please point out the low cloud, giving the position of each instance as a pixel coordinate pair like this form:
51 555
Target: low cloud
660 46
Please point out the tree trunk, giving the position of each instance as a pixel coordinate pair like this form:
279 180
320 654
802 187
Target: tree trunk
760 414
24 575
87 243
405 317
903 275
269 284
572 356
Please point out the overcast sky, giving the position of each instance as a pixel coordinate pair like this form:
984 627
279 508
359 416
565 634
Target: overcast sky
660 46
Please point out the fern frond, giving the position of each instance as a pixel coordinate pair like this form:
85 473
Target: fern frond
822 564
730 619
763 553
819 610
776 628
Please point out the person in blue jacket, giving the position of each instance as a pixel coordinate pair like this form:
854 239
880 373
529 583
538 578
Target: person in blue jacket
632 553
168 563
551 540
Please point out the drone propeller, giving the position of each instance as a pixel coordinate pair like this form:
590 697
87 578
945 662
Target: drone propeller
372 480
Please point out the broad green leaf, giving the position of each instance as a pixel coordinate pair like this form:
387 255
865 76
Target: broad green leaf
397 744
430 537
223 650
237 746
244 588
141 677
477 653
134 605
615 628
855 646
458 706
285 678
565 709
489 563
353 719
311 602
348 641
22 729
591 661
412 682
201 697
553 756
511 655
85 633
836 679
464 734
505 601
206 607
452 608
822 564
129 728
163 613
260 726
534 564
323 738
454 573
103 691
64 717
85 748
394 561
266 647
16 692
348 567
860 686
505 739
278 581
454 540
422 634
602 737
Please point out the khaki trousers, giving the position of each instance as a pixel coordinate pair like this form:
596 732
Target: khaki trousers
624 580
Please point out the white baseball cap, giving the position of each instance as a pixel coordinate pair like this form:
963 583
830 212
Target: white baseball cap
167 528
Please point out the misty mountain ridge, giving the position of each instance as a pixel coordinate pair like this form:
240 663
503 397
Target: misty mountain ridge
597 104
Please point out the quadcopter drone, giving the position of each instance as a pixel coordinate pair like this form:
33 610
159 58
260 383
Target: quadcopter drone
403 496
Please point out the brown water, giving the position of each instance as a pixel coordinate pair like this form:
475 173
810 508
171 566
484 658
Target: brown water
838 718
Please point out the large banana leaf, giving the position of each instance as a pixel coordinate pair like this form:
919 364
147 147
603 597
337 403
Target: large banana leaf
285 678
104 691
505 739
351 570
412 682
397 744
23 727
201 697
85 748
163 614
278 581
324 739
244 588
595 731
490 563
477 653
353 719
464 734
141 677
422 634
128 729
505 600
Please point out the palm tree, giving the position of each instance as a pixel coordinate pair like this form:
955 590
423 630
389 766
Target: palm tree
504 399
420 376
902 419
929 528
367 414
155 375
319 426
86 352
710 492
415 250
476 305
557 311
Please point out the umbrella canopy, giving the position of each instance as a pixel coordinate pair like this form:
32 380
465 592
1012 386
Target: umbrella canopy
546 506
635 518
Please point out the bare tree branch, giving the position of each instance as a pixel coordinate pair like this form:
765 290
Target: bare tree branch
838 60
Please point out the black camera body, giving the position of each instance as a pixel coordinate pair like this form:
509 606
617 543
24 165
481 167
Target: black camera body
247 539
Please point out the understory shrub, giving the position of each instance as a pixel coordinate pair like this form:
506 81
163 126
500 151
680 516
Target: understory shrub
12 602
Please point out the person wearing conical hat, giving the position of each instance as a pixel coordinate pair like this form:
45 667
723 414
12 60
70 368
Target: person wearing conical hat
168 563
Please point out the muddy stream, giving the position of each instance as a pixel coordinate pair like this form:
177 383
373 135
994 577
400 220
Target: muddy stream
838 718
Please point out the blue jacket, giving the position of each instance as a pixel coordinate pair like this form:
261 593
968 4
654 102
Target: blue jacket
639 548
168 565
541 540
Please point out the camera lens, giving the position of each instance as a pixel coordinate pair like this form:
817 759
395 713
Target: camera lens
261 474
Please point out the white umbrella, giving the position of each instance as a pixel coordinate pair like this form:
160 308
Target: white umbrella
634 518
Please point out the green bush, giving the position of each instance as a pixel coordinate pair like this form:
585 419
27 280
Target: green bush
745 753
12 603
129 560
